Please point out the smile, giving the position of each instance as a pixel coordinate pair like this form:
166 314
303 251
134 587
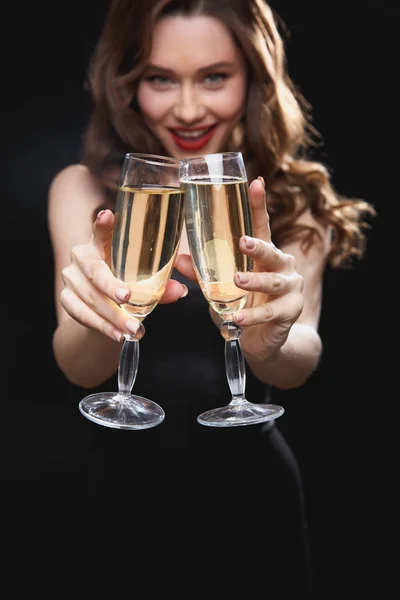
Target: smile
192 139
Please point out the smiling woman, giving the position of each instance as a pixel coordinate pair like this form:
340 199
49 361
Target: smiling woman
192 101
185 78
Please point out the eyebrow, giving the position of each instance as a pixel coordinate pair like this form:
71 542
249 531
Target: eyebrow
218 65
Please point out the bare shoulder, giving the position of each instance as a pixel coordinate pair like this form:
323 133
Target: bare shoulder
311 261
75 179
73 198
322 242
307 218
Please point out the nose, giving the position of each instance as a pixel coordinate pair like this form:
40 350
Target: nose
189 107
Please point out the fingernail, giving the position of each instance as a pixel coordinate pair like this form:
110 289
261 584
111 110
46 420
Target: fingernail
262 180
100 214
250 242
185 291
117 335
238 318
131 326
122 294
243 277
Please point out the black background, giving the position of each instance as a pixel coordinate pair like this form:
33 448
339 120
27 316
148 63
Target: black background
45 50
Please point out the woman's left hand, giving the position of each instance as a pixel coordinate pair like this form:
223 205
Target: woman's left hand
275 299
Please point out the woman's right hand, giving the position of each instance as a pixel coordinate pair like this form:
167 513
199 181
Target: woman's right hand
92 295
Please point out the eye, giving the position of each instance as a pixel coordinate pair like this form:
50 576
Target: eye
215 79
159 80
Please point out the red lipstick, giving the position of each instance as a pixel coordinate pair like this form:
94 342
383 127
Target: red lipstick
189 143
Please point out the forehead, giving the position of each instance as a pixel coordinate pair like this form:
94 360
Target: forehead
181 42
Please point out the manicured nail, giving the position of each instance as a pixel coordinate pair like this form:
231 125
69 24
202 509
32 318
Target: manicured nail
250 242
243 277
132 326
238 318
122 294
262 180
100 215
185 291
117 335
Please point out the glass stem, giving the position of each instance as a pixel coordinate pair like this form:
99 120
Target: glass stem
128 366
234 362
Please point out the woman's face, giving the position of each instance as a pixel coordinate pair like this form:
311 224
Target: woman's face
192 93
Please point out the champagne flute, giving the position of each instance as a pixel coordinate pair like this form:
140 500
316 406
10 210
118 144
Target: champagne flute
217 214
147 231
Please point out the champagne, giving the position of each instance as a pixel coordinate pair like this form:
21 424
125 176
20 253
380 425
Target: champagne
217 215
147 231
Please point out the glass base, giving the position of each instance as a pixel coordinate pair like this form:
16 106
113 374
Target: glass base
245 413
121 411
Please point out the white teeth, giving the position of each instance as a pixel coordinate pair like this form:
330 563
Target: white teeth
192 134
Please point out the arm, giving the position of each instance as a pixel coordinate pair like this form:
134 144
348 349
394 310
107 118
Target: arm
90 320
280 337
84 355
285 353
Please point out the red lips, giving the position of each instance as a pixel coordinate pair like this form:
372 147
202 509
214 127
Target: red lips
195 143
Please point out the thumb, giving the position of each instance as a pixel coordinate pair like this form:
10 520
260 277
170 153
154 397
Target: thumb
103 231
261 228
185 266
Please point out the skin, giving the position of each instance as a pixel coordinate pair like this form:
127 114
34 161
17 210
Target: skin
185 89
280 339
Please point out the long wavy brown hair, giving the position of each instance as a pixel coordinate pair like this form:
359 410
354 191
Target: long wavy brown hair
274 135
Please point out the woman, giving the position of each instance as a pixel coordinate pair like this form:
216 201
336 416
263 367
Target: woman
193 77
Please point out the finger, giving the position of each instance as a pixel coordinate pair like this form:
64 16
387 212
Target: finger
260 216
82 313
173 292
266 256
273 284
97 271
185 266
284 310
96 302
102 233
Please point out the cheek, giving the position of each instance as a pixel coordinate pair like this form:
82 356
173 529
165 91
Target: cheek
230 105
231 110
152 106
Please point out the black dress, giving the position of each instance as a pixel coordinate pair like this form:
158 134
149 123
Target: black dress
220 508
